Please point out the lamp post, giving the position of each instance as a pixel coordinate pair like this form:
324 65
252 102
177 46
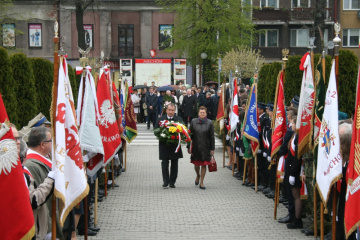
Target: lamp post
203 57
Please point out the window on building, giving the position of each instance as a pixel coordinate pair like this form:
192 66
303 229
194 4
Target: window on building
351 4
299 38
269 3
269 38
351 37
300 3
126 40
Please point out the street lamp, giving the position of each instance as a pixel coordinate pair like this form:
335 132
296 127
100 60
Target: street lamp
203 57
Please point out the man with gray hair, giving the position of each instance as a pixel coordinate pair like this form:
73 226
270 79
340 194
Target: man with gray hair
40 143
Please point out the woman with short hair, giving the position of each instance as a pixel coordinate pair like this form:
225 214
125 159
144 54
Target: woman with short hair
202 146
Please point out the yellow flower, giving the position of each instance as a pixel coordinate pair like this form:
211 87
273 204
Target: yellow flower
179 127
172 129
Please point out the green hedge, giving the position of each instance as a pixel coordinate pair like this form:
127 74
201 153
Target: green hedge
7 86
348 68
44 77
27 102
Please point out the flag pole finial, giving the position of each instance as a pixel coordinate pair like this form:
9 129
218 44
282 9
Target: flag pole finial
56 29
285 54
337 39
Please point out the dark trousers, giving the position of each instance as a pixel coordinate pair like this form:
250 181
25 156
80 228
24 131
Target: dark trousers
263 172
272 176
187 119
169 178
290 197
151 118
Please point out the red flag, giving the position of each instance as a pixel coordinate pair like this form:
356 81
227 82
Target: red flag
352 206
17 219
279 121
306 105
220 111
109 130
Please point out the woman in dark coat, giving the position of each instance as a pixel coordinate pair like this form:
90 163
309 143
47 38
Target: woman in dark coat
203 144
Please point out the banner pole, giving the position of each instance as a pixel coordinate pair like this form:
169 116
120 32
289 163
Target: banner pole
96 201
256 173
224 147
321 221
234 158
125 156
334 204
53 117
276 197
113 173
315 214
245 161
86 209
105 182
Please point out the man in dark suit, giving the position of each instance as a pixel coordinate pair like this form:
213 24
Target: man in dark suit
152 103
189 106
167 152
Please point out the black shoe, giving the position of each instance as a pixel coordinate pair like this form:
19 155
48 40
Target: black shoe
270 194
307 231
282 199
297 223
94 229
89 233
172 185
203 188
286 219
100 199
165 185
261 187
245 182
250 185
101 191
266 190
148 128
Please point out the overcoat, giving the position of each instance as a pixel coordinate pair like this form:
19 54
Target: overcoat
189 105
203 140
151 101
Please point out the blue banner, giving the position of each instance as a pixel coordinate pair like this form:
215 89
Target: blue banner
251 129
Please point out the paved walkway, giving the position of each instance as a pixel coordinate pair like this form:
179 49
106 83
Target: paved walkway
141 209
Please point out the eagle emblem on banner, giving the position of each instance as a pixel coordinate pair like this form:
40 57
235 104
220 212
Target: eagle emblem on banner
107 114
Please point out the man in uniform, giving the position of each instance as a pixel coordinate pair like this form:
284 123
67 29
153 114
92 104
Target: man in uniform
167 152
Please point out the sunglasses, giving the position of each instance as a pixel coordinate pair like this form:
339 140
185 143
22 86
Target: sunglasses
18 138
48 140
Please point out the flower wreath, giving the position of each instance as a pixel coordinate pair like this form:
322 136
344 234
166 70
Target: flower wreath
172 133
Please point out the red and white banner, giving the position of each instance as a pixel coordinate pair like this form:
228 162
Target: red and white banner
306 105
88 119
108 126
279 123
70 178
234 113
329 165
17 219
352 206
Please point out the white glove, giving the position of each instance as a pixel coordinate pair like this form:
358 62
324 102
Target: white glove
51 174
259 151
227 138
116 157
237 149
292 180
264 154
269 159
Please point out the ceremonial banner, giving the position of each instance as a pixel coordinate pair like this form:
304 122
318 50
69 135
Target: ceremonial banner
279 121
234 113
306 104
109 130
131 129
70 179
252 122
88 119
220 113
329 165
117 108
352 206
318 110
17 219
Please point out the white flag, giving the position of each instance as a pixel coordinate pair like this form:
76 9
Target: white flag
88 118
70 179
329 164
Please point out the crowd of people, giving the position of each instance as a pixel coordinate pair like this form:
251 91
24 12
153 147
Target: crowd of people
297 171
34 150
149 102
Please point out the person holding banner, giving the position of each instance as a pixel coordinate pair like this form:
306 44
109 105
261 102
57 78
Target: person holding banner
202 146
